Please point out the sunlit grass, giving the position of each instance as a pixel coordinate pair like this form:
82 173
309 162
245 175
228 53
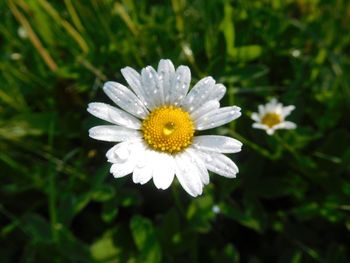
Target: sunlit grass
290 200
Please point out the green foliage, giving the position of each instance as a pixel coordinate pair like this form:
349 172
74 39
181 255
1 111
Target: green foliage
290 201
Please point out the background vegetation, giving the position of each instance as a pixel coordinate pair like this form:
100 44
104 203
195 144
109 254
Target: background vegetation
291 200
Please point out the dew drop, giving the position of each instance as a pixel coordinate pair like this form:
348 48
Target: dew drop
168 128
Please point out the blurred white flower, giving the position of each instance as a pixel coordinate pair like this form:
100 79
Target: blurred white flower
271 117
155 123
296 53
22 33
216 209
15 56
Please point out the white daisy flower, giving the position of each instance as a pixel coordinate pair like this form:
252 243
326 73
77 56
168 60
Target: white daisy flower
271 117
155 126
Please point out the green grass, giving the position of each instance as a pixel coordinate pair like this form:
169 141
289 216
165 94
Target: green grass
290 201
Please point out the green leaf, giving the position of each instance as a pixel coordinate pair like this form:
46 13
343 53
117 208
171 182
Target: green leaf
246 53
109 210
243 218
103 193
200 213
104 250
38 228
31 124
227 27
145 239
246 73
229 254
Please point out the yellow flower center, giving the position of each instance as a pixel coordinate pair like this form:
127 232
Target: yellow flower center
168 129
271 119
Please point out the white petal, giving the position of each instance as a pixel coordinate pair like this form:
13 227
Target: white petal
272 104
188 174
125 99
123 169
203 172
255 117
166 74
125 157
287 110
218 92
113 115
270 131
153 92
113 133
198 94
144 169
216 143
262 110
180 85
142 175
204 109
218 117
260 126
205 90
219 164
121 151
163 170
278 108
134 80
285 125
289 125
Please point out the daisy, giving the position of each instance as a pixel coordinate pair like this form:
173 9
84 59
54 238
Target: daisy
272 116
154 128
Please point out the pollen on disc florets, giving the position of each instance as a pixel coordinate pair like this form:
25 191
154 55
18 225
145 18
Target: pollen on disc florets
271 119
168 129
